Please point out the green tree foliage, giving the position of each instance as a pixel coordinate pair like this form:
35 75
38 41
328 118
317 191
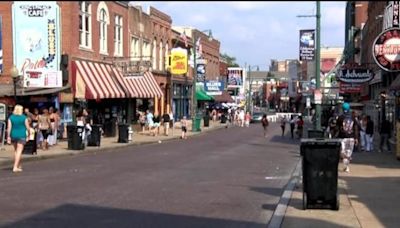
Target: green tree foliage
230 60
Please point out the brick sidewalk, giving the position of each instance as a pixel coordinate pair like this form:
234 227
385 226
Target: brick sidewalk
369 196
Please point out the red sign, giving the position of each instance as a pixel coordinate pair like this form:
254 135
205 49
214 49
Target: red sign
386 50
349 88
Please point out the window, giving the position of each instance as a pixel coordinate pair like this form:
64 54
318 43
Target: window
85 24
146 50
134 47
103 31
165 54
160 57
154 55
118 36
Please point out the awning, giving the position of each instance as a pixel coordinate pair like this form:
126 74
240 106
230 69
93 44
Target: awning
224 97
139 86
92 80
202 96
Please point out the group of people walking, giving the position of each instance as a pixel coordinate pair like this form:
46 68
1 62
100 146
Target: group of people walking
296 124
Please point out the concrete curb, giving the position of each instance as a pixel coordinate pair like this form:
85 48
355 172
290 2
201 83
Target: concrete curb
99 149
280 210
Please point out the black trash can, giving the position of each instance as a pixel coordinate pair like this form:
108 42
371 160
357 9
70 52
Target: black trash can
320 172
315 134
110 128
223 118
206 122
74 135
123 133
94 138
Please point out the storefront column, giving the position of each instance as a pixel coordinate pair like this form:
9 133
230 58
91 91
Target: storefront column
156 106
130 111
162 105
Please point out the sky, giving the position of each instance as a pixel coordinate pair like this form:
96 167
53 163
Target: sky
256 32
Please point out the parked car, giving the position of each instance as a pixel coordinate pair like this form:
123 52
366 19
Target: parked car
256 117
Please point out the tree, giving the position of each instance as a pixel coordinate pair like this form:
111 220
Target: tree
230 60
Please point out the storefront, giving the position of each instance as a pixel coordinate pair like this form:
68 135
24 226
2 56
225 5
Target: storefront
109 95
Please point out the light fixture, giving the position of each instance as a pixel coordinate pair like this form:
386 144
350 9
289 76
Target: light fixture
14 72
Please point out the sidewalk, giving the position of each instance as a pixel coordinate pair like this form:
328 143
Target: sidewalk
7 154
369 196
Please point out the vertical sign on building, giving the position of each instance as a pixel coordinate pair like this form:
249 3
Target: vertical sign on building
307 45
36 36
391 15
1 45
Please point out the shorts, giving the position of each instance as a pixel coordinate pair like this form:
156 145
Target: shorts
45 134
18 140
166 125
184 129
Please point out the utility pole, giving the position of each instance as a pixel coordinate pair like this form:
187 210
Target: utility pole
317 63
317 67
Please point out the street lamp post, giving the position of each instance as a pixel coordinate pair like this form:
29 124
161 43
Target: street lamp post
194 98
15 77
250 88
317 63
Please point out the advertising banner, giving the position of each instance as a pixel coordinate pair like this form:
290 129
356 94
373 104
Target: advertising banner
42 79
386 49
235 77
214 87
307 45
1 45
201 72
36 36
179 61
354 73
349 88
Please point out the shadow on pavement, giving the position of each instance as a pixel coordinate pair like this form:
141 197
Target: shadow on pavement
305 222
285 139
73 215
377 196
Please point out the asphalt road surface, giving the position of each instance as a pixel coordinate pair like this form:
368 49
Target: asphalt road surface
225 178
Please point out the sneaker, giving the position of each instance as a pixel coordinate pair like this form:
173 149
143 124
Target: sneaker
347 169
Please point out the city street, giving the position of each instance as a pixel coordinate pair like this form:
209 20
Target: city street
226 178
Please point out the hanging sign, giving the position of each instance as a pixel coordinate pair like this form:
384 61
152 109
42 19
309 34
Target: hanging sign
354 73
386 50
179 61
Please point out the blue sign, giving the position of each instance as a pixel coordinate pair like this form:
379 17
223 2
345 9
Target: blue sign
36 36
214 87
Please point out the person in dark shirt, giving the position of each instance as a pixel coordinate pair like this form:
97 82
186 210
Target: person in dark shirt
369 133
348 132
165 120
385 131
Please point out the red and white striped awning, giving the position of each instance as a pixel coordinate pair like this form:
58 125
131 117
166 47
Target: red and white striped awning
92 80
139 86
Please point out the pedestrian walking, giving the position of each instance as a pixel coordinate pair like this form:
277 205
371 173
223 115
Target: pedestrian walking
385 133
283 125
347 132
44 127
265 123
184 127
241 118
300 125
363 128
369 134
165 120
292 125
17 134
247 118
